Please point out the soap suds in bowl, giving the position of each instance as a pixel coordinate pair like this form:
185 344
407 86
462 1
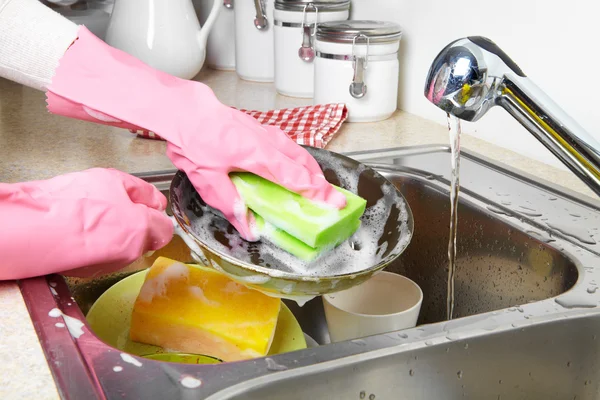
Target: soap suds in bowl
384 232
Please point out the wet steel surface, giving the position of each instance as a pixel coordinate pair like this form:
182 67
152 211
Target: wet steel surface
526 305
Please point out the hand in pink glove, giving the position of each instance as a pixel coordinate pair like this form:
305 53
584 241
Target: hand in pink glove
206 139
98 219
242 144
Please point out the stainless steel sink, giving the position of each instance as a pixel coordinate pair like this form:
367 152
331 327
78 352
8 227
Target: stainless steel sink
552 360
526 305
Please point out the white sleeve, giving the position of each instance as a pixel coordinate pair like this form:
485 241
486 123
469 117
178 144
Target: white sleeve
33 38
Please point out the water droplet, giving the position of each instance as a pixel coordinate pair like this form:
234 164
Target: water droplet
569 364
575 232
362 394
403 335
511 309
459 374
428 343
592 289
190 382
55 313
530 212
411 372
129 359
371 397
498 210
273 366
520 309
575 301
500 382
466 346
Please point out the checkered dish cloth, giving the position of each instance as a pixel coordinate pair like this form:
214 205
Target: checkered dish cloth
312 125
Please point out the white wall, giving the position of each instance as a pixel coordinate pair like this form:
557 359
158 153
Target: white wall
556 43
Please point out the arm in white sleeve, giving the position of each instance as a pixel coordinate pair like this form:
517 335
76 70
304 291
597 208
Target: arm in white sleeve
33 38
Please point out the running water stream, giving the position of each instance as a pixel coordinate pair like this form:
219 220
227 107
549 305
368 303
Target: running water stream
454 132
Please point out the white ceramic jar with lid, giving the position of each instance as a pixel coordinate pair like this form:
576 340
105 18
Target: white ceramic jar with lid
295 29
220 48
254 54
356 63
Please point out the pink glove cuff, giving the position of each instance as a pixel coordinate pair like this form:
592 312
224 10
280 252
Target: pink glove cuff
96 82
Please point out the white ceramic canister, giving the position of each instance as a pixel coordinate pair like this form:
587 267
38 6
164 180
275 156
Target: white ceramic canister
356 63
295 29
220 48
254 40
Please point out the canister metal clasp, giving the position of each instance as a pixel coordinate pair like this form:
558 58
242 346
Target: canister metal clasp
228 4
260 21
358 87
307 50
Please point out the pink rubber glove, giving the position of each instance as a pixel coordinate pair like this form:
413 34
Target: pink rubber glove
206 139
84 223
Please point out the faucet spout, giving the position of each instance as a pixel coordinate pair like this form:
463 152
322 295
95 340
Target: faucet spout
471 75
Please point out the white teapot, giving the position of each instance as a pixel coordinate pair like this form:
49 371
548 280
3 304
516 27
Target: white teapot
164 34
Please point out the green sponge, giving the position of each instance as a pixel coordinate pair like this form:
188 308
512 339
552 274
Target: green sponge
292 245
316 225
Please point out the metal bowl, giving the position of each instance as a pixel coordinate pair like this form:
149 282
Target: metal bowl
270 276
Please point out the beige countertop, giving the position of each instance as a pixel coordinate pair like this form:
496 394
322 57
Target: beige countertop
37 145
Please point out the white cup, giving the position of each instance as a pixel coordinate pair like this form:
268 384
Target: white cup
387 302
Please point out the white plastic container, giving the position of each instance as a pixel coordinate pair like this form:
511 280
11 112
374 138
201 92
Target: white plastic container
220 48
356 63
254 40
295 22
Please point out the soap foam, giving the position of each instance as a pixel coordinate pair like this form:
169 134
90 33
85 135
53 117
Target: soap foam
362 250
366 248
157 285
197 292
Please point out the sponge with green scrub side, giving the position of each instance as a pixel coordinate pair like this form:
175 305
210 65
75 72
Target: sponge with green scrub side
298 225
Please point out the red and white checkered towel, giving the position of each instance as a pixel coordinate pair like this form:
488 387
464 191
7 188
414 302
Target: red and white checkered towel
312 125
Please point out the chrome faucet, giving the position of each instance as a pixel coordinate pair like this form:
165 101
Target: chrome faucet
472 74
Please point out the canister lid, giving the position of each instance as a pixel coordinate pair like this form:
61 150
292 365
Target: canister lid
346 31
322 5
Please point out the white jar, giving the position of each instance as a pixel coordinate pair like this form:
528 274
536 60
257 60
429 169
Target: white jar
254 40
220 48
356 63
295 22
